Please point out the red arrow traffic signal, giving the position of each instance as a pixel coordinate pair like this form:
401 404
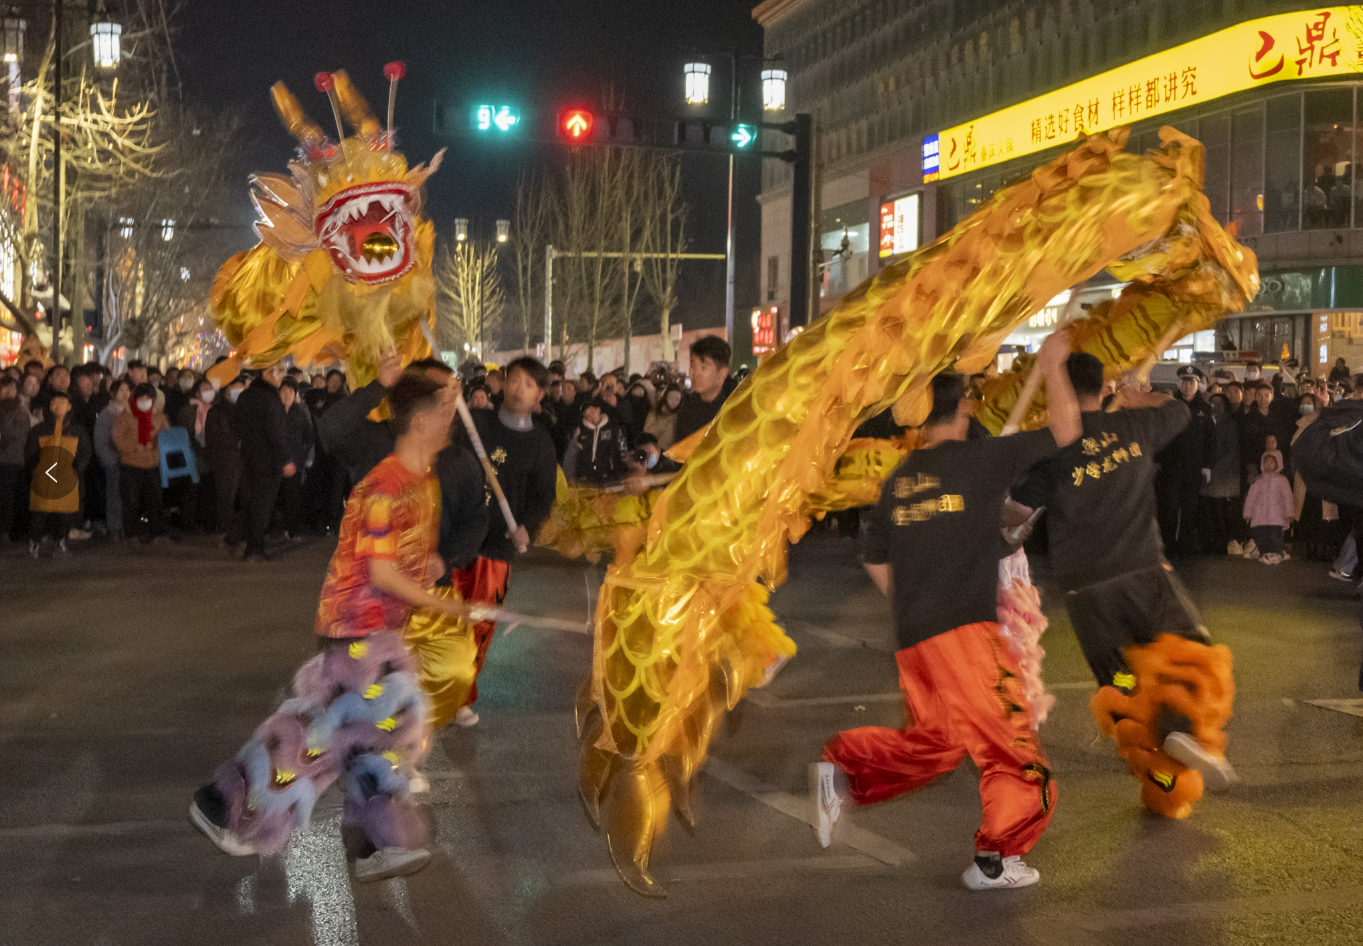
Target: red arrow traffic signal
575 124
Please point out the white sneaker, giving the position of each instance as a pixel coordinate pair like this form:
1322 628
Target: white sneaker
1234 548
1012 873
225 840
417 784
391 862
1217 774
78 535
1251 550
1338 575
827 803
466 717
774 668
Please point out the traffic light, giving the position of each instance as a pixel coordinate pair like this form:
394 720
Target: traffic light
575 124
495 118
743 136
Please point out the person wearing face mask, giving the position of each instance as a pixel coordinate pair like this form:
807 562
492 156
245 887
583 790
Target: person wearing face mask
178 392
58 450
222 449
139 477
662 420
640 398
120 396
14 428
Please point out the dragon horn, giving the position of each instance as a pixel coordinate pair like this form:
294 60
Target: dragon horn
355 108
292 114
326 82
394 71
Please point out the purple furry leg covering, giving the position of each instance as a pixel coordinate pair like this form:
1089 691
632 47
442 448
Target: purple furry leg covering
377 803
267 836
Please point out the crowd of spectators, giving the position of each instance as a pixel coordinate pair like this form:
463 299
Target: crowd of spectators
1228 484
263 475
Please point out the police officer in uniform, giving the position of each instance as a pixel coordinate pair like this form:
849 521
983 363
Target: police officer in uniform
1185 464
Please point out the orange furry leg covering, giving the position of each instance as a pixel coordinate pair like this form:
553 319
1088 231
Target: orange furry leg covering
1186 678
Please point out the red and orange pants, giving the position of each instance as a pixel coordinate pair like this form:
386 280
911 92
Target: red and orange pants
963 696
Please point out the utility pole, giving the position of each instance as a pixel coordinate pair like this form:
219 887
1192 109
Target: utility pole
59 179
801 221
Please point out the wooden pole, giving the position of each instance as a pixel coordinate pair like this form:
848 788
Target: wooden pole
1033 382
488 470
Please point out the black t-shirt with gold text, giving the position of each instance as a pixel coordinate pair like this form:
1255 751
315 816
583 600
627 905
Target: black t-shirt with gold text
1099 494
937 525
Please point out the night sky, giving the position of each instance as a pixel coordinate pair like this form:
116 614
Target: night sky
538 55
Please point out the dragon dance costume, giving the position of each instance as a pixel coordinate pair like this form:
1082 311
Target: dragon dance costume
682 630
357 712
342 274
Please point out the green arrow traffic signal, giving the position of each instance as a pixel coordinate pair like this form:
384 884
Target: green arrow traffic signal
500 118
743 135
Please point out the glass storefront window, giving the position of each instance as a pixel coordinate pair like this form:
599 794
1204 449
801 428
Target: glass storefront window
1282 164
1278 165
1214 131
845 238
1328 159
1247 170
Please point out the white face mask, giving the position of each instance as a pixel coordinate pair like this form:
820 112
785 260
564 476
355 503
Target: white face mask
186 384
144 405
207 396
1308 408
233 394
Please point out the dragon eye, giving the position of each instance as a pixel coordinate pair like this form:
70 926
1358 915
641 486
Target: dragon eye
379 246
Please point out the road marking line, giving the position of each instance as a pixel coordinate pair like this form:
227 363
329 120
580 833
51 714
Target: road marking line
43 831
771 700
728 870
859 839
1351 707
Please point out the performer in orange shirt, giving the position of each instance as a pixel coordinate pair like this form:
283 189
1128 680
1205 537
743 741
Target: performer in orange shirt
357 708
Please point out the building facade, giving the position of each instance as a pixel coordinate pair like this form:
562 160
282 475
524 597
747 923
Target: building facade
924 108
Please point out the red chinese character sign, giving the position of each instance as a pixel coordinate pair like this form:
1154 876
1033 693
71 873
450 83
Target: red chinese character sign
764 330
1304 45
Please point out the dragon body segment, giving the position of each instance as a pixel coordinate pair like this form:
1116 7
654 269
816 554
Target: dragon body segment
682 626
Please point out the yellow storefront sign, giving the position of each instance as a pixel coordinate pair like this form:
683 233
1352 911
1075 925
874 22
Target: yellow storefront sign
1306 45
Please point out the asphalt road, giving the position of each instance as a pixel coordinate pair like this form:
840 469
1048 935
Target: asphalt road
128 673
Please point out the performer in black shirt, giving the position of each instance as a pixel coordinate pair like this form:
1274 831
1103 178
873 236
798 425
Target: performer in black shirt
933 545
1138 629
527 470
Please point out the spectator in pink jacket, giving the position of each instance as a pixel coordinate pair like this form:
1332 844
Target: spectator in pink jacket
1269 509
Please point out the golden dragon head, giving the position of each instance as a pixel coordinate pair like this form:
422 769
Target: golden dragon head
343 268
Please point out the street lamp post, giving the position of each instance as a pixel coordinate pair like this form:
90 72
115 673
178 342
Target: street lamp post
107 50
697 92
